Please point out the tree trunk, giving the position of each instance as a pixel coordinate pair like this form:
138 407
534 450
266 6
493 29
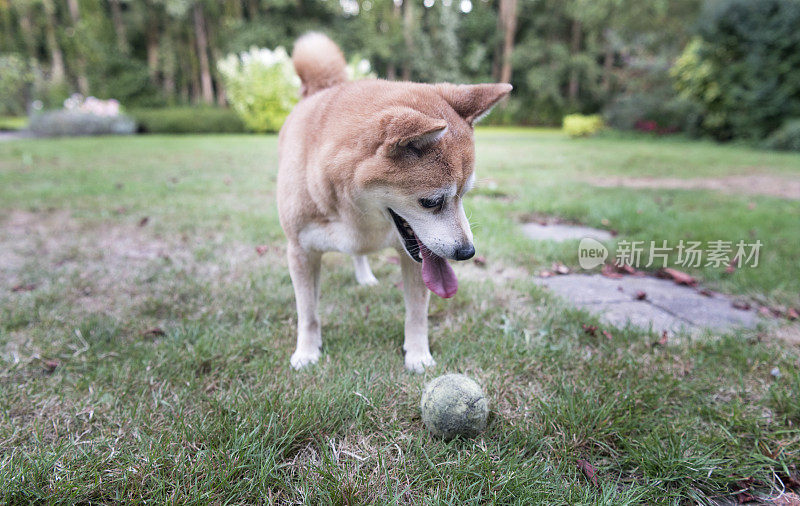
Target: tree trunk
408 36
119 26
508 17
252 9
206 86
83 81
575 47
56 55
608 61
26 26
213 47
152 42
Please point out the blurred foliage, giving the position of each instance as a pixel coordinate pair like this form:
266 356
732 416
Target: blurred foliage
566 55
579 125
187 120
261 86
76 123
15 80
743 68
659 112
785 138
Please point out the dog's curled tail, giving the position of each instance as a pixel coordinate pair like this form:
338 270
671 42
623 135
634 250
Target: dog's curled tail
319 62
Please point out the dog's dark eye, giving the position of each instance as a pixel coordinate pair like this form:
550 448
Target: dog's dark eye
431 203
414 150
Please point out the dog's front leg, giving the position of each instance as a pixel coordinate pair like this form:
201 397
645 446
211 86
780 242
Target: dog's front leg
416 295
304 270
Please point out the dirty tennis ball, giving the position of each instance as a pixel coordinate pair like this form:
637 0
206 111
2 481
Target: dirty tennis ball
454 405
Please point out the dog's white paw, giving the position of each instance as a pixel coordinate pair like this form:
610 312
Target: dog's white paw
301 358
367 280
417 362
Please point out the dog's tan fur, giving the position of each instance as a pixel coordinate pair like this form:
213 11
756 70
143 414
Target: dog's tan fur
344 159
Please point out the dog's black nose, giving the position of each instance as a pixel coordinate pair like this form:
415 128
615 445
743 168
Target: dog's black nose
464 252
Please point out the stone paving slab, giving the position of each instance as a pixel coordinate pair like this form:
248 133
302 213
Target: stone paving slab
558 233
667 306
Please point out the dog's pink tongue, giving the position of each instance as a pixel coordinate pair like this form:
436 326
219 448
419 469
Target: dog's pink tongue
437 274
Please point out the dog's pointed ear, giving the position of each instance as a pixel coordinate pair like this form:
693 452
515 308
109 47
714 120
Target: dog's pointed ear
406 128
473 101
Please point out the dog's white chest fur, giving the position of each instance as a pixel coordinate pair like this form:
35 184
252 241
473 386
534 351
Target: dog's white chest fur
356 237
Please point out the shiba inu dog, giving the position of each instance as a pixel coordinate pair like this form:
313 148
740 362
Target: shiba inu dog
372 164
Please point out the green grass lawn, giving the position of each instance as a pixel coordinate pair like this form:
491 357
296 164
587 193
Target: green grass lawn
144 343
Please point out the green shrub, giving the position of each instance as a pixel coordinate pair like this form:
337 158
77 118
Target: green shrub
15 82
187 120
261 86
786 138
744 67
76 123
578 125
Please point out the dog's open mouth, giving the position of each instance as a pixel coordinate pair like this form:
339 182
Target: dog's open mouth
437 274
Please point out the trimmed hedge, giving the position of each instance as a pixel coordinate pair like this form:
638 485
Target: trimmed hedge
187 120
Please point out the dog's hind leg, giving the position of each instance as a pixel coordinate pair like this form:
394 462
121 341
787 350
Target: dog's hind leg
364 274
416 295
304 270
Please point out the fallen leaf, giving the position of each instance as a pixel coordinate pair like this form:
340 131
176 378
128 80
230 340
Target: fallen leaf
589 471
610 271
480 261
545 274
787 499
144 221
792 314
154 332
677 276
741 305
744 497
791 480
590 329
23 287
50 365
560 268
261 249
640 295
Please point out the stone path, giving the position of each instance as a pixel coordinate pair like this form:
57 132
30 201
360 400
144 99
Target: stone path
12 136
559 232
665 305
